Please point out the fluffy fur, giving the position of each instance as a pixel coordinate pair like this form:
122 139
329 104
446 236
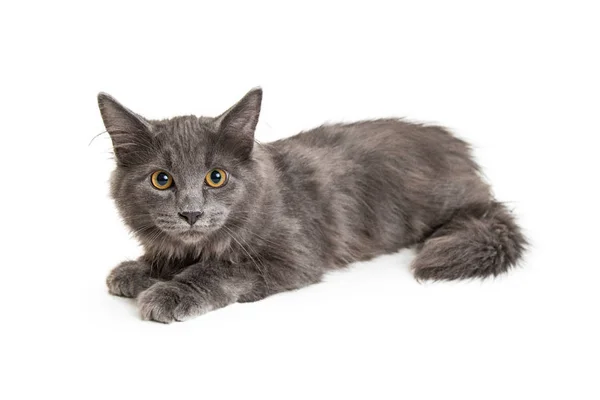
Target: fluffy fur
295 208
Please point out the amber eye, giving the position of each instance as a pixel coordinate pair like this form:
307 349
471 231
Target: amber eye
161 180
216 178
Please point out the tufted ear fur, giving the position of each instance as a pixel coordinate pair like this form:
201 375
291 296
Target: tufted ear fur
130 133
238 124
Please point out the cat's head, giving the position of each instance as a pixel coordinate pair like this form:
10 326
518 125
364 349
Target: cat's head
182 177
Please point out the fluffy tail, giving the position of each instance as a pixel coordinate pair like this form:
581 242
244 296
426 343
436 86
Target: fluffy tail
479 241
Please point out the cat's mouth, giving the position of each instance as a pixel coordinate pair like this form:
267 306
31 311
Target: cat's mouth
186 233
195 232
190 233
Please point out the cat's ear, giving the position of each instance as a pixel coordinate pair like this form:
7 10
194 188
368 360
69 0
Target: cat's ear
239 122
130 133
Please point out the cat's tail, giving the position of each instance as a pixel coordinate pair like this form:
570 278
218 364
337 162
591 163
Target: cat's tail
480 240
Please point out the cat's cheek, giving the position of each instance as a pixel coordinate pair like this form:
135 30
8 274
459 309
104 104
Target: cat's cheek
159 198
225 196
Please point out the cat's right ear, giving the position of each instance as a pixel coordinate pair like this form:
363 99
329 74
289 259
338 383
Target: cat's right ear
130 133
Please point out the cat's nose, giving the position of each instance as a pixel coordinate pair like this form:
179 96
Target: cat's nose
191 216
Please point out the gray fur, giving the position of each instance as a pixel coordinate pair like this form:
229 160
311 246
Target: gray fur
295 208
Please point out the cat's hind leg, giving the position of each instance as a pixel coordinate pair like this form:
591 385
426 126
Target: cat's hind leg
480 240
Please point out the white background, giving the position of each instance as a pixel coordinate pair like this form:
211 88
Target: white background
519 80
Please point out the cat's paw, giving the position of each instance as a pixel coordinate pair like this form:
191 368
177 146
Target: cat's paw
129 279
171 301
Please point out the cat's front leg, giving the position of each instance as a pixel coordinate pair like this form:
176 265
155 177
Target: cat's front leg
195 291
129 279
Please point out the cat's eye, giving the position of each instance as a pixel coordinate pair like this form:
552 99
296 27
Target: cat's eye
161 180
216 178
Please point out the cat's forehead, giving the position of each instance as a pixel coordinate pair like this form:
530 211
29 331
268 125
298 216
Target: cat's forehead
187 128
186 141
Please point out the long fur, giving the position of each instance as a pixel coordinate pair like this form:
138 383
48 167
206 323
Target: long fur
295 208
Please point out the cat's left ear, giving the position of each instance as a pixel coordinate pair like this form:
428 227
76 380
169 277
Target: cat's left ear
238 123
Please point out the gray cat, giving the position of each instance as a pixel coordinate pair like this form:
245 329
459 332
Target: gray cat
225 219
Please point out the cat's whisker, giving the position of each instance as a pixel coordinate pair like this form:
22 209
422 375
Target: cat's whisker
252 233
261 269
140 230
95 136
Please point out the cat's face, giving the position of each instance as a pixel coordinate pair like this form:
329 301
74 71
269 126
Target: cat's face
183 177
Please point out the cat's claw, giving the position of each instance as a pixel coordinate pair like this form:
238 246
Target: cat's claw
128 279
170 301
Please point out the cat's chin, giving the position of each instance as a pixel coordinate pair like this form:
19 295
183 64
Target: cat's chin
192 235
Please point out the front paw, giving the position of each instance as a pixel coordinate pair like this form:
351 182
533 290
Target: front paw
129 279
171 301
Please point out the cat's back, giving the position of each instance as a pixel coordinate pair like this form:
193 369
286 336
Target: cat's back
388 142
382 160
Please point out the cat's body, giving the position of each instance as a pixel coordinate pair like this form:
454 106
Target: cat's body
295 208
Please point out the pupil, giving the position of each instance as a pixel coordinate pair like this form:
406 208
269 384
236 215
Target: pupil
162 179
215 176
